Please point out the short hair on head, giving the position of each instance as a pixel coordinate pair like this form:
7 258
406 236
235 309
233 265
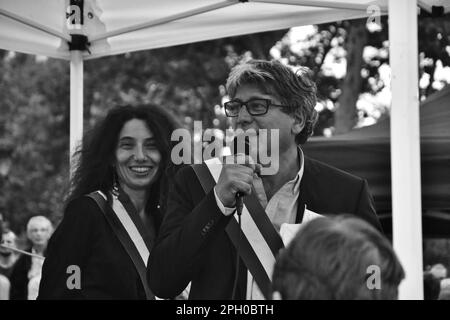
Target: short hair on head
295 90
37 219
9 232
328 259
96 156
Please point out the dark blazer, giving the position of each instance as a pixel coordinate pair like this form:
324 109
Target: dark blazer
85 239
19 278
193 244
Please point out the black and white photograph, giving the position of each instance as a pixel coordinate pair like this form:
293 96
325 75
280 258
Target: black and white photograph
219 157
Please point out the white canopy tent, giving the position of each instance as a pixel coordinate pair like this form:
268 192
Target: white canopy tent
97 28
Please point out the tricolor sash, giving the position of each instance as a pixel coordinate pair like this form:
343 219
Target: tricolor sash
129 232
260 242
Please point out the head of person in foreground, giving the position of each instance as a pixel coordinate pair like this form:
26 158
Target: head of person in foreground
338 258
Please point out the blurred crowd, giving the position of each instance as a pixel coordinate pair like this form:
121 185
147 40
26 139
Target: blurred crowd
436 282
20 269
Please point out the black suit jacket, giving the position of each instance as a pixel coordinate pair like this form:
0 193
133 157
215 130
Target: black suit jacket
85 239
19 278
193 244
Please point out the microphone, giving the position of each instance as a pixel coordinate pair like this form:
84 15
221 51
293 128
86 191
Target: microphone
239 203
239 206
240 195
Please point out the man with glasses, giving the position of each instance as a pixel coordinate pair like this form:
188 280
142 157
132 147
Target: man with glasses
195 244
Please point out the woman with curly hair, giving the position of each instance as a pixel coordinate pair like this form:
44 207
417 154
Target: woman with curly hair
114 210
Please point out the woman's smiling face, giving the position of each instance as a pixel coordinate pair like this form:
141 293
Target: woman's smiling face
137 157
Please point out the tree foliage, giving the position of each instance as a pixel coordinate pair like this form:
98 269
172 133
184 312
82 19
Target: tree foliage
364 51
34 121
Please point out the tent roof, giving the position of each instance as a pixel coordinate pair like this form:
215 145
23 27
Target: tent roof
116 26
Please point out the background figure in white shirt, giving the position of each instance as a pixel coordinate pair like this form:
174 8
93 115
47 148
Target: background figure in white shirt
27 271
7 260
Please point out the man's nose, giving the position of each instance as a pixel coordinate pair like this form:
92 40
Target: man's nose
243 118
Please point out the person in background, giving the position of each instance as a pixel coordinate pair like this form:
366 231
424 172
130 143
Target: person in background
431 286
439 271
8 258
5 287
444 293
112 216
1 223
338 258
27 271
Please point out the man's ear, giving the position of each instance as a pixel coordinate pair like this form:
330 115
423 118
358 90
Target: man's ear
298 125
276 295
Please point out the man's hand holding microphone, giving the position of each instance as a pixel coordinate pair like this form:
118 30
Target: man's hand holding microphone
235 180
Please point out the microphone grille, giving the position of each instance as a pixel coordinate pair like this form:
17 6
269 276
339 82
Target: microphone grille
236 143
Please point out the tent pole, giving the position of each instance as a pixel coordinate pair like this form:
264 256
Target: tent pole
76 103
157 22
405 145
324 4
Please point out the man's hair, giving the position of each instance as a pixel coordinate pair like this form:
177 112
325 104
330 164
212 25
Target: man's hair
329 259
9 232
295 90
42 219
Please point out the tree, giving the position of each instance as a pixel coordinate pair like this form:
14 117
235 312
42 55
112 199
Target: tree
365 53
345 115
434 41
34 121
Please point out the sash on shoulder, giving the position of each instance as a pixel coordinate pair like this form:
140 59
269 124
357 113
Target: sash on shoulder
127 232
260 242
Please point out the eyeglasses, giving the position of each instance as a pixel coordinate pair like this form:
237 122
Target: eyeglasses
255 107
